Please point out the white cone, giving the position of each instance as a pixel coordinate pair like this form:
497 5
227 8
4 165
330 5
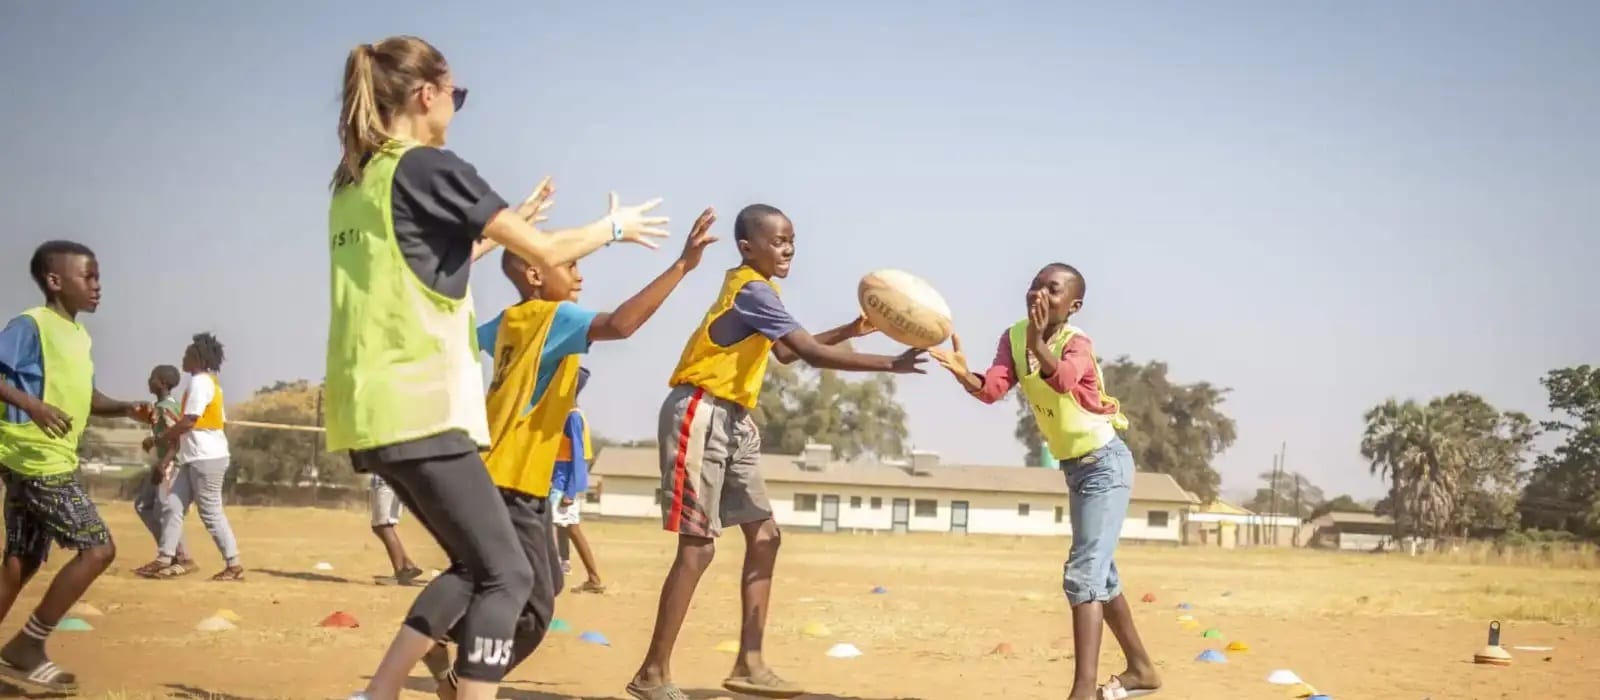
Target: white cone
323 566
1283 676
214 624
844 651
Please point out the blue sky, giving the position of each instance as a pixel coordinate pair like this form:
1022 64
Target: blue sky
1318 205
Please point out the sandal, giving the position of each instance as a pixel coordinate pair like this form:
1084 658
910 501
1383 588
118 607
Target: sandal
590 587
1113 690
232 573
665 691
763 683
151 570
46 676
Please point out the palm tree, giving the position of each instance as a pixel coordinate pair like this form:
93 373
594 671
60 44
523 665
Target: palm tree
1384 445
1422 450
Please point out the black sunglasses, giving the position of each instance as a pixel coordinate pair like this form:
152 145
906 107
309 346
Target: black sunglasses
458 95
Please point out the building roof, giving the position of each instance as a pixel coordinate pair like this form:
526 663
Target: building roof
1147 486
1351 518
1221 507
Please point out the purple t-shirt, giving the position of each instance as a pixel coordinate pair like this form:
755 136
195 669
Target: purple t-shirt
756 309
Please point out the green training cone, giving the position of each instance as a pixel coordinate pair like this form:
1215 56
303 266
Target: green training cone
559 625
73 624
1211 634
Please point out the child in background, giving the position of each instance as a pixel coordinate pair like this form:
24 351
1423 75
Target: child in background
44 415
567 487
710 447
536 345
203 458
1053 365
385 516
152 493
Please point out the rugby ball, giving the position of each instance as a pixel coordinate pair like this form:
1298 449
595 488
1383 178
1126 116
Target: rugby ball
904 308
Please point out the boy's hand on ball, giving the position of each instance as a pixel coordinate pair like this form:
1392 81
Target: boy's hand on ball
699 237
863 327
910 362
952 359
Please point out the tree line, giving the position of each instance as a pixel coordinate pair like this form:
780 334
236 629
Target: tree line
1454 465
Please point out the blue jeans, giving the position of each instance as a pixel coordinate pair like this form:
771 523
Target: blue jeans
1101 484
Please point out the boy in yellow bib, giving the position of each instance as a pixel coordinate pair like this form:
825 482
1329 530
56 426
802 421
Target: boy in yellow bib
536 347
47 394
710 447
1053 365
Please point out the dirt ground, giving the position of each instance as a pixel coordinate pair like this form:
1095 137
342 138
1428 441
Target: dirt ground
1352 625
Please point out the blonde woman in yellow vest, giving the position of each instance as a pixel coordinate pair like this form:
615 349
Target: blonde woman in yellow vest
710 447
47 394
404 392
536 346
202 459
1053 365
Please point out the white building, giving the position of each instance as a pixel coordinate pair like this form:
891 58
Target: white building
814 491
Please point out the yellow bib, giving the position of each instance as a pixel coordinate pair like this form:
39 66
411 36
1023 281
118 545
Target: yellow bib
734 373
211 418
1069 430
565 455
524 442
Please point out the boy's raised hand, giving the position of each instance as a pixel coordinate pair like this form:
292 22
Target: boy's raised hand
699 237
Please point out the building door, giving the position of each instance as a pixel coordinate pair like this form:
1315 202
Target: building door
958 516
902 515
830 513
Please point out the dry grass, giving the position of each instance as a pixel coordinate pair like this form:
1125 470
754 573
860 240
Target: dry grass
1356 625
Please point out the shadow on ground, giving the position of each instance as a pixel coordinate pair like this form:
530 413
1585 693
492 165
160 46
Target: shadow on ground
303 576
527 690
189 692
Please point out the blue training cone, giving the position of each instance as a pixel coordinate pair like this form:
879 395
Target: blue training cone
879 590
1211 656
594 638
1183 606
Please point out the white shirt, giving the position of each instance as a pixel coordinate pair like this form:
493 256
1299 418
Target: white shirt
197 445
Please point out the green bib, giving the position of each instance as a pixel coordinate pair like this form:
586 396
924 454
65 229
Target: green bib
68 385
1069 431
402 358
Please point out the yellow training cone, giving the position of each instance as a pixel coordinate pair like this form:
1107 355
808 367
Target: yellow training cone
1238 647
1303 690
728 647
1185 618
815 629
228 615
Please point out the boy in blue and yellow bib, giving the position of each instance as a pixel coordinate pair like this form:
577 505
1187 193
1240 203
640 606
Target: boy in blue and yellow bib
536 346
710 447
1053 365
567 487
48 393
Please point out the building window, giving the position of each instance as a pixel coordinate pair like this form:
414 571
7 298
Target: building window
805 503
855 502
1061 514
927 509
1156 518
877 503
1023 509
591 496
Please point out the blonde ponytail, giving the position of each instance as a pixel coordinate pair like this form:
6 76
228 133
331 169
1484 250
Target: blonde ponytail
361 131
378 80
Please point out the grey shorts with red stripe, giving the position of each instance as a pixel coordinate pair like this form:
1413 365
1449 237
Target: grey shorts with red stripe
710 464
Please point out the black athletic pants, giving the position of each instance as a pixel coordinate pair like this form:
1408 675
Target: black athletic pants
490 579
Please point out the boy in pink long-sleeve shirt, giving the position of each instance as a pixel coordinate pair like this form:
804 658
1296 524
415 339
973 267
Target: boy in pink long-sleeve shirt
1052 364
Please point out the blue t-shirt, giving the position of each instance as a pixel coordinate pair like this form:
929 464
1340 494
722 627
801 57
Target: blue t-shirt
569 335
21 363
571 477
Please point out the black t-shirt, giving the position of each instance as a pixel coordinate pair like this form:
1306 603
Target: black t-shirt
441 206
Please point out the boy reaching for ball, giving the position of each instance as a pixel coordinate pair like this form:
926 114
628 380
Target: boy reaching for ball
1052 364
536 345
710 446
